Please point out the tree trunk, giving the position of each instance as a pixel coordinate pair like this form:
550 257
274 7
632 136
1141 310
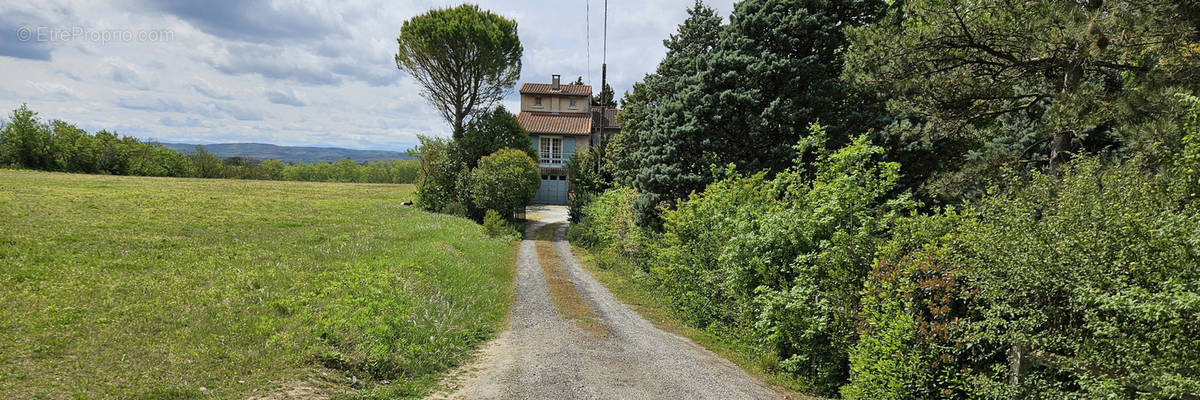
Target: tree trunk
458 126
1071 79
1018 364
1057 147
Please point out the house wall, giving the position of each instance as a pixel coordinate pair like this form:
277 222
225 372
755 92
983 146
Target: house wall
555 103
571 145
555 186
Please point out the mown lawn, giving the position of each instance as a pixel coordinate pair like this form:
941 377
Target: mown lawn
131 287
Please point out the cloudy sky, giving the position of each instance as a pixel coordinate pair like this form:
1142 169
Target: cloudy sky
284 72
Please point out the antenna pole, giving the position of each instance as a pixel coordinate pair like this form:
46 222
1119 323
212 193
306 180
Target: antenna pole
587 23
603 84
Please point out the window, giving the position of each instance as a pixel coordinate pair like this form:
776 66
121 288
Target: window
572 103
550 150
537 101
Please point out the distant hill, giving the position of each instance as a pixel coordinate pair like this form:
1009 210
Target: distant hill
263 151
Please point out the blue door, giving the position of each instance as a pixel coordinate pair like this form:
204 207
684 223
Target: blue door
553 189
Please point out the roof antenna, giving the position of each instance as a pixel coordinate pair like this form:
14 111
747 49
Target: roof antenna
587 23
603 83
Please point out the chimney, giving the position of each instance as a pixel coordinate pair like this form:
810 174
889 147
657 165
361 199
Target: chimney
556 86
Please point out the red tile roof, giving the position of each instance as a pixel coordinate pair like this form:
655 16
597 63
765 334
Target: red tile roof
610 116
565 123
565 89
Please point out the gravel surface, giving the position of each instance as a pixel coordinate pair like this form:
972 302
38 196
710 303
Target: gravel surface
543 356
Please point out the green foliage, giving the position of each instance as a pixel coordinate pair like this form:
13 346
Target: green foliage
436 183
606 97
207 165
27 142
495 225
463 57
663 163
491 131
504 180
448 167
608 226
586 182
748 97
76 149
1095 274
236 286
1024 83
1186 162
916 315
620 165
784 259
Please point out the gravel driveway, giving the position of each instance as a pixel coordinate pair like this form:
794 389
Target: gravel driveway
544 356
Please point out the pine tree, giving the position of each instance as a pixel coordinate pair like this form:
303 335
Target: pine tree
772 71
1032 79
656 161
604 98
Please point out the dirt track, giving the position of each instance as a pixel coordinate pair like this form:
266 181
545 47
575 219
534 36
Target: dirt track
544 356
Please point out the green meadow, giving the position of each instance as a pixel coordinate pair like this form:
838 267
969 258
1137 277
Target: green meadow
135 287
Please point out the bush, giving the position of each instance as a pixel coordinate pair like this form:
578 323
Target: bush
207 165
504 180
27 142
586 183
608 227
488 133
1094 277
914 335
782 260
496 226
438 174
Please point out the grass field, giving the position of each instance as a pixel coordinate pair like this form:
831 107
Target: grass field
129 287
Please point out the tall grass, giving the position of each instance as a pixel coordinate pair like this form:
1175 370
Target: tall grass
134 287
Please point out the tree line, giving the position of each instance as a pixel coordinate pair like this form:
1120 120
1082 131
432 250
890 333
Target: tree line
28 142
920 199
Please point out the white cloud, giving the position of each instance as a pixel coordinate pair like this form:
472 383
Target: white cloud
288 97
52 90
288 72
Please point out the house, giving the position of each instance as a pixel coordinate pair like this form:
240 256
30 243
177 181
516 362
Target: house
561 121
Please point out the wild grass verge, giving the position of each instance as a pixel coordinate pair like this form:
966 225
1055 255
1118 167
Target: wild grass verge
132 287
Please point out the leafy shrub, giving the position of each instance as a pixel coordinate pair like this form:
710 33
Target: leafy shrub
496 226
26 141
503 180
784 259
1186 168
491 131
1094 277
454 208
438 172
586 183
207 164
914 339
608 227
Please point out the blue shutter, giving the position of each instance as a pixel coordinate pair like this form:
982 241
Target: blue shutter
568 148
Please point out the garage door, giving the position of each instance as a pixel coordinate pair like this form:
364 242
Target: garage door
553 190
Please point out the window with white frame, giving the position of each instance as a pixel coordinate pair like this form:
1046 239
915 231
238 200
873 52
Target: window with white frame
550 150
572 103
537 101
